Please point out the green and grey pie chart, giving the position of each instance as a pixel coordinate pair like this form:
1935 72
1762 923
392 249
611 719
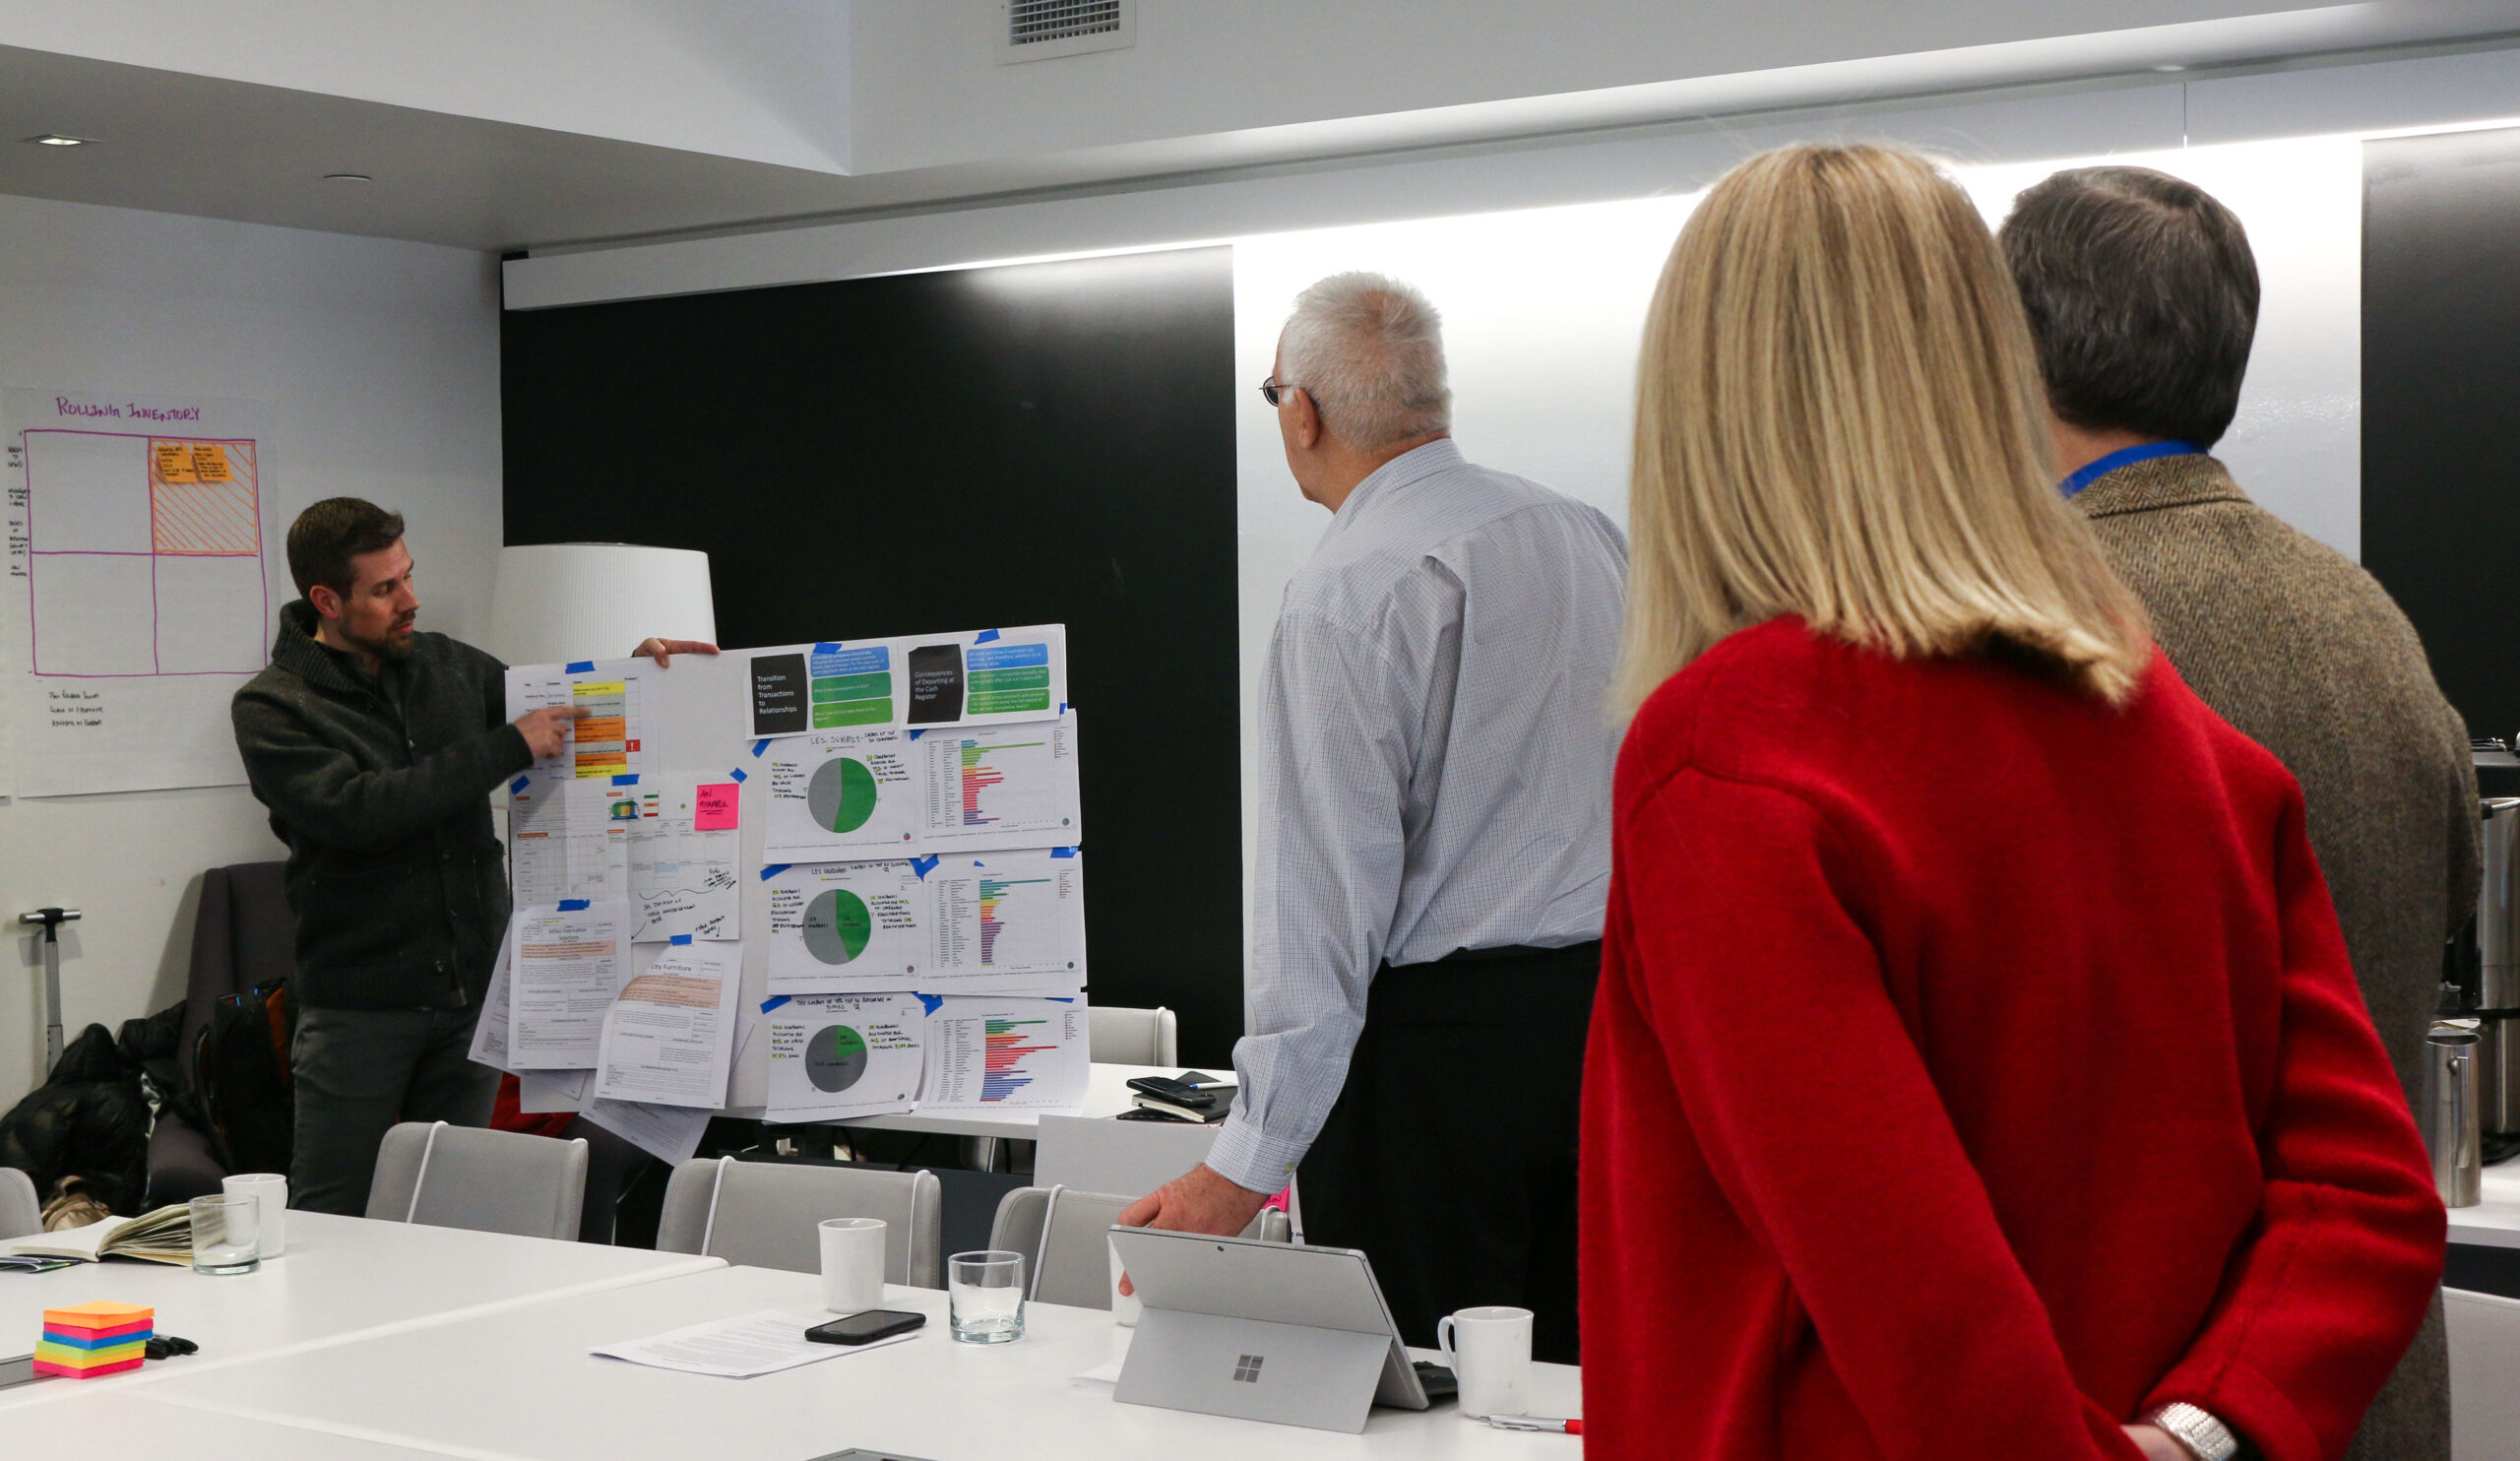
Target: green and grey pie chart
835 1057
836 925
842 794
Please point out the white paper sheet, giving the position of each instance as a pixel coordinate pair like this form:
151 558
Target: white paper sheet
1004 924
880 792
669 1038
568 838
683 858
543 1092
567 962
747 1344
988 1054
833 1056
918 679
491 1030
669 1133
619 735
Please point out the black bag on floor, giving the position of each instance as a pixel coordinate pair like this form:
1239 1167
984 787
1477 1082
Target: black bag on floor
240 1072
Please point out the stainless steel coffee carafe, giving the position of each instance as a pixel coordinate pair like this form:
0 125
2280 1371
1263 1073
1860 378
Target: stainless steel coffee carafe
2498 986
2451 1130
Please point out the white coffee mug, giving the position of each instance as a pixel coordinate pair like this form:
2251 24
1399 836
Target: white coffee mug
853 1264
272 1190
1489 1350
1125 1308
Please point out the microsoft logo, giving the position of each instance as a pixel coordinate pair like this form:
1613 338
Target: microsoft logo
1247 1369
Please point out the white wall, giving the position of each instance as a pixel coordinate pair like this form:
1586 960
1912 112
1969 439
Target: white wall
380 363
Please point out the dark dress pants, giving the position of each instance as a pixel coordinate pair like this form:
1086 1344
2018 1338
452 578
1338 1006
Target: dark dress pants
1450 1155
356 1073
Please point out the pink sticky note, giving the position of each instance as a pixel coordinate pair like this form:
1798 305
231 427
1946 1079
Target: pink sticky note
714 810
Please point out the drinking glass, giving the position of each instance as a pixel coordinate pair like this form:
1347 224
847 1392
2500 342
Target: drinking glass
225 1234
986 1292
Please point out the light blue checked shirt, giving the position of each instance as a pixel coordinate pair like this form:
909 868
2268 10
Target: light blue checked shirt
1434 766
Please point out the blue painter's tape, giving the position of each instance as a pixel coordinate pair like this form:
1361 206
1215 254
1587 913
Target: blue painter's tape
580 667
679 939
1062 852
1062 998
934 1002
758 747
985 636
519 784
1062 707
738 773
922 866
772 1002
630 778
572 904
773 869
916 731
825 648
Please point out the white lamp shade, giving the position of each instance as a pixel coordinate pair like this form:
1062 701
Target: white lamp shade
554 602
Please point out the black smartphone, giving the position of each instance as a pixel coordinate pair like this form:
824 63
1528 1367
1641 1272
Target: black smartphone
1165 1088
866 1327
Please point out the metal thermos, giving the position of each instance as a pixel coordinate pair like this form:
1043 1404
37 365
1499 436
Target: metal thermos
2497 987
2452 1132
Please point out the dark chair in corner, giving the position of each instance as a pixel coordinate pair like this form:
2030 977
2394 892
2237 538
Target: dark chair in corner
243 936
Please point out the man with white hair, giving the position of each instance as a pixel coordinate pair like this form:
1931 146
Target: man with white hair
1435 842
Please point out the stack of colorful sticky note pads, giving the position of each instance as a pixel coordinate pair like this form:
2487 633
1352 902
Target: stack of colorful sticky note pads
86 1340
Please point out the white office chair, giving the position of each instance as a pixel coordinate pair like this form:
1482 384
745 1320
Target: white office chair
490 1182
2485 1353
21 1215
1117 1035
1061 1234
765 1214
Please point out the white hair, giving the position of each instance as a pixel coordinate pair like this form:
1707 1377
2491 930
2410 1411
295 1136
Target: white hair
1369 350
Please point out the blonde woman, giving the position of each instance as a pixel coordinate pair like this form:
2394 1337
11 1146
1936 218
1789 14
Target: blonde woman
1977 1069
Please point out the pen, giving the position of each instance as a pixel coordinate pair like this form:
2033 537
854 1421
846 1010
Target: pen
1574 1426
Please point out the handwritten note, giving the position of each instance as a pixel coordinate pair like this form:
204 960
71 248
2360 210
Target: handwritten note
714 809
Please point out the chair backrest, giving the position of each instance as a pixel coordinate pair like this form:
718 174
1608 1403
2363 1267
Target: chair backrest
490 1182
1063 1235
20 1213
2485 1353
1117 1035
243 936
765 1214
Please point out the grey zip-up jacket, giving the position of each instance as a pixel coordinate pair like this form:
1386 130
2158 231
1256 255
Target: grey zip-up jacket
381 791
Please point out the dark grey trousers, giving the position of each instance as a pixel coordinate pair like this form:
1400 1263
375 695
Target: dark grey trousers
358 1072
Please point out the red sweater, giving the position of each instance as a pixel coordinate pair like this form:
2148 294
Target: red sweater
1975 1066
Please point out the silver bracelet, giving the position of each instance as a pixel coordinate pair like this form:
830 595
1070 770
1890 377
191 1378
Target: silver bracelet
2195 1428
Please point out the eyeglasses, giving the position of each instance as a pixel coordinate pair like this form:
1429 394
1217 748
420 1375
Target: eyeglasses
1270 388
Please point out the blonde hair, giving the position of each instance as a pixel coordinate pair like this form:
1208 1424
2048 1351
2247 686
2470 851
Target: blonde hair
1839 416
1369 350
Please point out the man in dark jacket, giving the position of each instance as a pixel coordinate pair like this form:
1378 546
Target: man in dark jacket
375 746
2142 295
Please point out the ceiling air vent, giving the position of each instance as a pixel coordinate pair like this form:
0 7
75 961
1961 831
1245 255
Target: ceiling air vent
1038 29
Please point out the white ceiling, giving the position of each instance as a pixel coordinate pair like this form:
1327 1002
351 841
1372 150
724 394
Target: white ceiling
495 164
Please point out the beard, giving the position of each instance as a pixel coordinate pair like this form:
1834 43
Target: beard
395 644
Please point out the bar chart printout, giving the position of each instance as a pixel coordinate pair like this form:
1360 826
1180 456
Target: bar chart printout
1004 785
988 1054
1009 916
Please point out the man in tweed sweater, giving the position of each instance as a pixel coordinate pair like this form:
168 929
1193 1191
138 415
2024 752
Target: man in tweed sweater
2142 295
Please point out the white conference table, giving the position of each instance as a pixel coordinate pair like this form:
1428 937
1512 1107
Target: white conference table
1107 1094
340 1277
520 1383
124 1425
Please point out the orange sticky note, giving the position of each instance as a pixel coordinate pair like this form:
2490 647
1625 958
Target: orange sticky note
714 809
210 463
175 461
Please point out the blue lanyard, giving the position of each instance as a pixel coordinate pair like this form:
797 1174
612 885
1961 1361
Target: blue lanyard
2127 455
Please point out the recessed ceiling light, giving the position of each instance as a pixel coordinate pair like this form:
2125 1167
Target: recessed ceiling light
2172 66
58 139
353 177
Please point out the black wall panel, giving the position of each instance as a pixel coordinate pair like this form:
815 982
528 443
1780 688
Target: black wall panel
1027 444
2441 393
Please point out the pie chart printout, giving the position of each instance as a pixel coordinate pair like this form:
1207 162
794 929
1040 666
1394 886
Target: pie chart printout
842 794
837 926
835 1057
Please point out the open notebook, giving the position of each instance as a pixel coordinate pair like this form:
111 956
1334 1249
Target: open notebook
165 1236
